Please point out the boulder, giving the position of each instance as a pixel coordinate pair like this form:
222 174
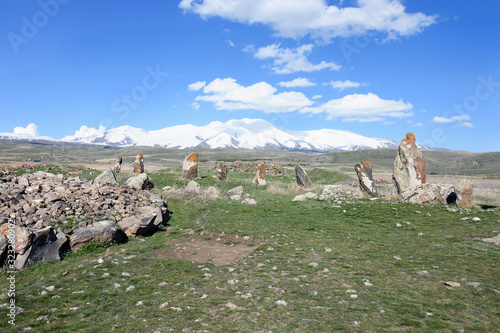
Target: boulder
235 193
4 242
138 225
249 201
221 170
161 216
430 193
302 178
340 192
193 187
46 246
409 165
118 164
464 189
190 167
139 182
305 196
139 164
42 174
100 232
260 175
107 177
365 177
22 236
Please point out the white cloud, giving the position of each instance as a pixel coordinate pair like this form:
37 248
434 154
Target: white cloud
419 125
466 125
30 130
341 85
85 131
297 18
195 106
286 61
230 43
389 123
443 120
226 94
362 108
316 96
298 82
197 85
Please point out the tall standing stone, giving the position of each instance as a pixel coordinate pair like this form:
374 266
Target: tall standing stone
260 176
139 164
302 178
364 171
463 190
409 165
190 167
221 170
118 164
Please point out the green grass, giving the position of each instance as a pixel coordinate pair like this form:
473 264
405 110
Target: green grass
355 248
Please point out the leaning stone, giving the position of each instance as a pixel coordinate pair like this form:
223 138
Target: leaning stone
137 225
364 172
409 165
464 189
100 232
190 167
260 175
139 164
107 177
193 187
302 178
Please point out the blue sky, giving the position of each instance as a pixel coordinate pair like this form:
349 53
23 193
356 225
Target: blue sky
379 68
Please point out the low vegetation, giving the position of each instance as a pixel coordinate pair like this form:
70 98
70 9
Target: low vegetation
320 266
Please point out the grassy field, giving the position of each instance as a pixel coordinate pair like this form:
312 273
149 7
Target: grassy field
319 266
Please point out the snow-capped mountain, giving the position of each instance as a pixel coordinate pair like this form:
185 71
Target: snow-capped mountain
242 134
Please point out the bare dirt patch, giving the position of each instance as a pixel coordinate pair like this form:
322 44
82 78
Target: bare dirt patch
218 249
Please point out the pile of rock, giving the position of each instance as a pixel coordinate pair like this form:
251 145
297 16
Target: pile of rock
50 207
340 192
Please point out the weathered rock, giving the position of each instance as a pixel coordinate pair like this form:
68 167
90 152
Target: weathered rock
364 171
193 187
409 165
139 164
43 174
249 201
430 193
99 232
140 182
495 240
138 225
107 177
4 242
235 193
22 236
46 246
161 215
118 164
464 189
221 170
305 196
302 178
190 167
340 192
260 176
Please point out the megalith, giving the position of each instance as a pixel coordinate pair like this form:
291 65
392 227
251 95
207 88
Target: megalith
260 176
364 172
190 166
139 164
302 178
409 165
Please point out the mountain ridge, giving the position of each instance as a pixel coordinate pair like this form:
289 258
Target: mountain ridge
249 134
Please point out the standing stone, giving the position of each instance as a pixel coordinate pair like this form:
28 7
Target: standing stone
302 178
365 177
261 175
118 164
190 167
464 189
409 165
139 164
221 170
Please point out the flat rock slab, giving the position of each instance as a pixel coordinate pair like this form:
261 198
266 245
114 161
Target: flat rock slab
219 251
